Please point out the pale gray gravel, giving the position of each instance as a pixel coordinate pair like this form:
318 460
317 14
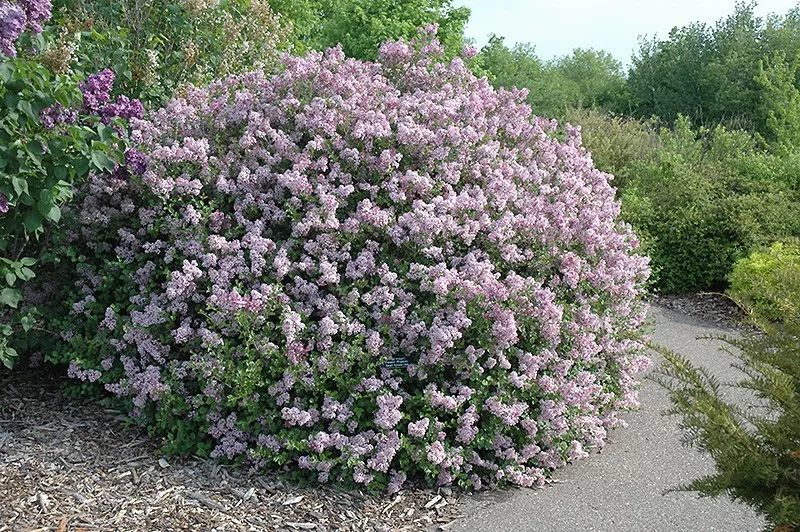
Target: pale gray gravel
622 489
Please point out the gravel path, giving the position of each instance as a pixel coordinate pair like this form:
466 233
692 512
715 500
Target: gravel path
622 489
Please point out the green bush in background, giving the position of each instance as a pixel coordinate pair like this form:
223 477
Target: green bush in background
619 145
700 199
156 47
767 283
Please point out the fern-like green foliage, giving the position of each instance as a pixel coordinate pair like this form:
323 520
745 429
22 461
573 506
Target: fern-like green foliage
756 448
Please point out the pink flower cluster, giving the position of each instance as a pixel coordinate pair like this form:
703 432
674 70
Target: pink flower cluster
372 271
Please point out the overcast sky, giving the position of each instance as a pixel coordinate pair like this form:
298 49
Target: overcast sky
556 27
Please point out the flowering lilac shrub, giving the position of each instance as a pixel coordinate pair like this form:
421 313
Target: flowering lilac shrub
53 129
365 271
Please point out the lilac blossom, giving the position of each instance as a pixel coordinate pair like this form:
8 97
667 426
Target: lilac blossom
37 12
56 114
12 24
421 278
96 90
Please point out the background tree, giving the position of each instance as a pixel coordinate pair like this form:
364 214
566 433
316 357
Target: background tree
667 77
360 26
779 100
585 78
713 74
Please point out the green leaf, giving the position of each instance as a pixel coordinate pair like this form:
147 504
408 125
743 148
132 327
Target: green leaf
32 221
28 261
36 147
20 185
8 355
6 72
27 323
26 274
26 108
81 166
102 161
59 172
11 100
11 279
106 133
54 214
10 297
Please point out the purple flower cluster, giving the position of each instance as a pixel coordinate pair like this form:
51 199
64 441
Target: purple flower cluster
97 98
37 12
12 24
56 114
17 16
96 91
289 236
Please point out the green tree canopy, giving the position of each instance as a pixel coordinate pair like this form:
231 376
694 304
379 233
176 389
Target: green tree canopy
713 74
360 26
585 78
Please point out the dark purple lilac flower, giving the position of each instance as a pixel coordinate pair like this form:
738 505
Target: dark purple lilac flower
12 24
122 107
97 90
97 98
135 161
3 203
37 12
56 114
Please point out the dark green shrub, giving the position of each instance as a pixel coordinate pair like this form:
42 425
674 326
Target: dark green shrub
697 212
53 130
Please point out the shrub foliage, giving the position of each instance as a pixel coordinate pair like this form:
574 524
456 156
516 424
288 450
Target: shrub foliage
700 199
53 129
363 271
767 283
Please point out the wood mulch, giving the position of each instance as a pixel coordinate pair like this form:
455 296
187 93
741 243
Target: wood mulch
71 465
713 307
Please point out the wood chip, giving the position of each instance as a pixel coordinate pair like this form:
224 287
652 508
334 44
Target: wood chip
432 502
43 501
293 500
104 475
205 501
392 504
303 526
